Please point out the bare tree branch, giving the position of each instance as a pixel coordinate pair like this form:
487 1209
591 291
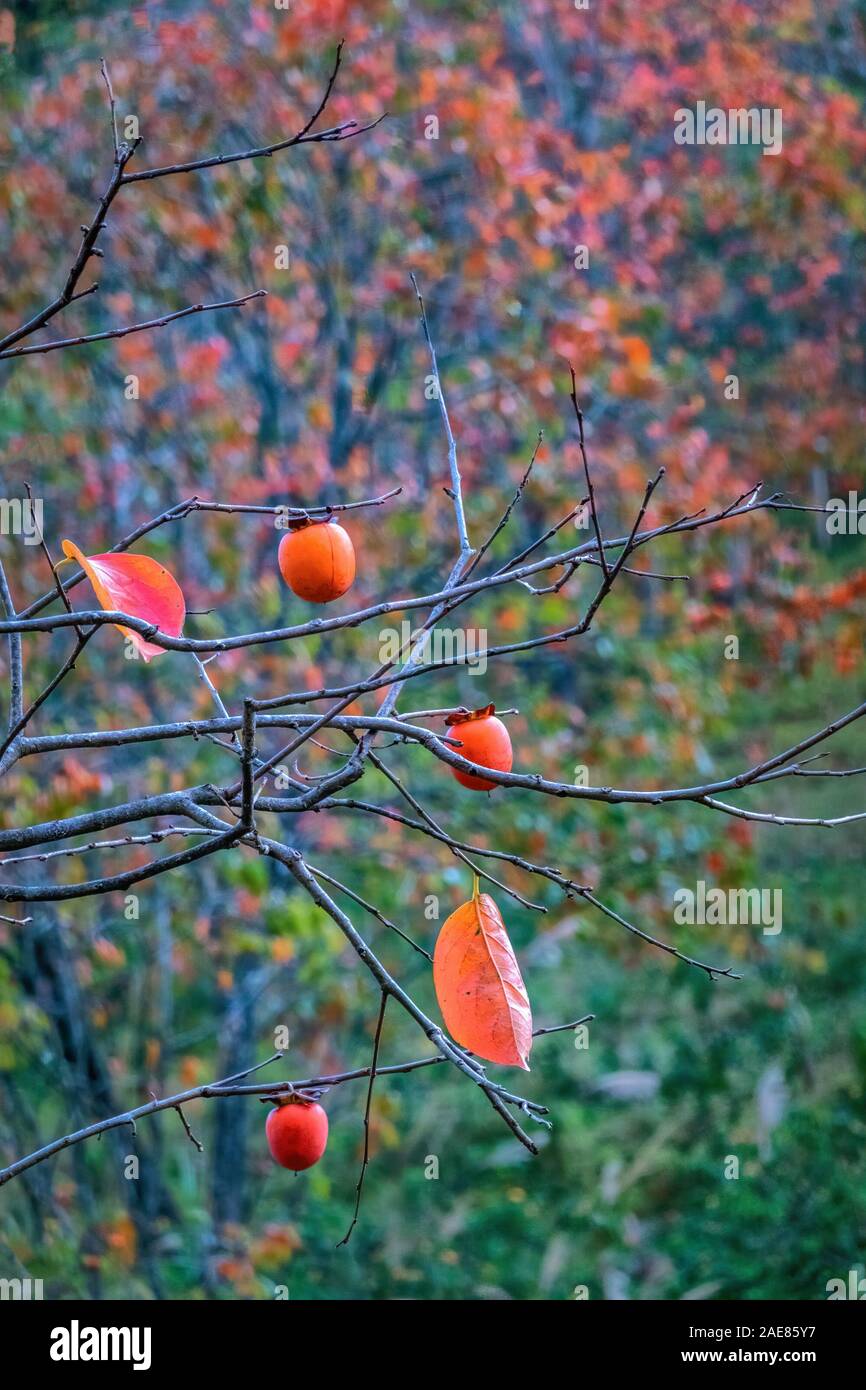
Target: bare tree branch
123 153
16 673
377 1038
57 343
456 492
231 1087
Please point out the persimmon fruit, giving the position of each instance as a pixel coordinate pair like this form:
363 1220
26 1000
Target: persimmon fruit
484 739
317 561
297 1133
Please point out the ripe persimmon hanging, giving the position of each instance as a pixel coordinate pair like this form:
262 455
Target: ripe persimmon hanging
297 1133
317 560
483 739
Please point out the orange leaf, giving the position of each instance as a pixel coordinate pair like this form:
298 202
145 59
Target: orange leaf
479 986
137 585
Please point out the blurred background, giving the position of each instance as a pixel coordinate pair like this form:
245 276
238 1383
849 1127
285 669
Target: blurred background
517 134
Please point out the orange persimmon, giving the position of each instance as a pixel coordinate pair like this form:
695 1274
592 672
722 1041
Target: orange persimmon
317 561
483 739
297 1133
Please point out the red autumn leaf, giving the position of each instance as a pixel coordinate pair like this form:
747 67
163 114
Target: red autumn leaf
479 986
137 585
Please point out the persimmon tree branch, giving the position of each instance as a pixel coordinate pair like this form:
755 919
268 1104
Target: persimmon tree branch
498 1097
124 152
346 130
26 621
15 719
455 492
198 803
86 250
56 343
16 674
112 105
374 1062
186 802
13 736
457 849
596 525
183 509
416 645
569 888
236 1087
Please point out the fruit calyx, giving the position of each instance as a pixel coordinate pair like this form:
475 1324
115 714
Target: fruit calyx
465 716
292 1098
298 523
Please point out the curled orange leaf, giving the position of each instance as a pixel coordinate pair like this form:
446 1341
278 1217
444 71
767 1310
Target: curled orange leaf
137 585
479 986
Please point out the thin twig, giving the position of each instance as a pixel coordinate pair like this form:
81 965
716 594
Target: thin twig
189 1134
368 907
16 671
231 1087
111 103
456 492
57 343
366 1159
596 525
